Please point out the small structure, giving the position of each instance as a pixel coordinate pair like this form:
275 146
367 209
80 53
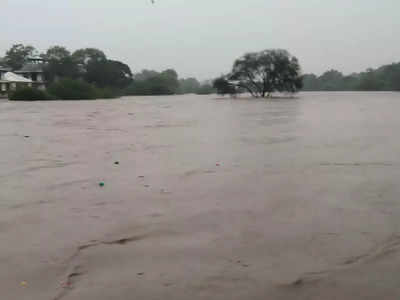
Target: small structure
31 74
3 84
10 81
34 71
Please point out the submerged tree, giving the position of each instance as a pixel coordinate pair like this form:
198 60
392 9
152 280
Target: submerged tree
265 72
224 87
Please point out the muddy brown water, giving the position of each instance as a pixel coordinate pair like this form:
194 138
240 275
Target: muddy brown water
210 199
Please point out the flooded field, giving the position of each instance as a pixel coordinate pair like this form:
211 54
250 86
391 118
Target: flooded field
203 198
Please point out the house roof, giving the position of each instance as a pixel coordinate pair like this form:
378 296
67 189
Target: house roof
31 68
12 77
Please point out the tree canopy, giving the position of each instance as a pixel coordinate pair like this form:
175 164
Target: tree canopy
60 64
17 55
89 64
85 56
56 53
224 87
189 85
265 72
385 78
65 70
154 83
108 73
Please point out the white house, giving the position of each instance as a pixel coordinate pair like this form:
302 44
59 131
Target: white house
10 82
31 74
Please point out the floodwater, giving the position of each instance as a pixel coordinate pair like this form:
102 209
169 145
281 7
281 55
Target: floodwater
204 198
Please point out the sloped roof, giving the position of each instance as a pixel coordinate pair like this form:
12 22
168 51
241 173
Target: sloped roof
12 77
31 68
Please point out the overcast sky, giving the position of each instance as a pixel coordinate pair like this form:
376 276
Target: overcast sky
202 38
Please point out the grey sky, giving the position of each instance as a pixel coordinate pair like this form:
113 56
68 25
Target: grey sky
202 37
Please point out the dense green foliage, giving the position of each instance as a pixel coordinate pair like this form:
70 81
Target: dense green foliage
193 86
149 82
110 77
154 83
60 64
17 55
265 72
109 93
259 73
206 89
84 56
30 94
71 89
189 86
385 78
89 64
108 73
224 87
65 89
88 73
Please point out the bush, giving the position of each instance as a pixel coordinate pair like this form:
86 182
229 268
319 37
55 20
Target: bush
108 93
70 89
30 94
206 89
156 85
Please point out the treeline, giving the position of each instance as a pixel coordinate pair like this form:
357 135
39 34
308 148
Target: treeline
149 82
385 78
89 74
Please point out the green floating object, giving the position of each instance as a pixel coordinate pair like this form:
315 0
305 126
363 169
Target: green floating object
101 184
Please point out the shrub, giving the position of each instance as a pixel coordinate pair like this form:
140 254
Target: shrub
156 85
70 89
206 89
108 93
30 94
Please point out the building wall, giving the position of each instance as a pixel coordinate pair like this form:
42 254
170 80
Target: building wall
35 77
